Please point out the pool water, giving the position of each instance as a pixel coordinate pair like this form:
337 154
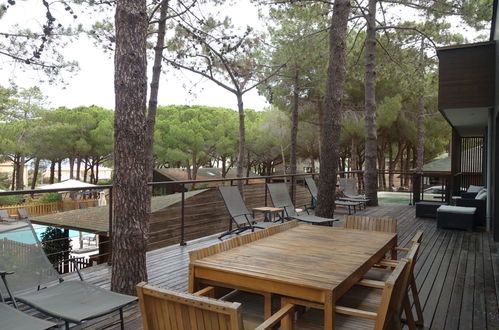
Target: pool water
25 236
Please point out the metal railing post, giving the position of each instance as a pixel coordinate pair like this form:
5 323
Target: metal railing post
265 189
182 229
110 242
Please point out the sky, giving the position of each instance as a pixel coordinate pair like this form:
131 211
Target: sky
93 83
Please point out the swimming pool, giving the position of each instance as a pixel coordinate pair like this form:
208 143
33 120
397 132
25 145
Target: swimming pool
389 197
25 236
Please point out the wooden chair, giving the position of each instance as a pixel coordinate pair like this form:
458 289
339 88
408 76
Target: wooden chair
163 309
370 224
363 313
376 274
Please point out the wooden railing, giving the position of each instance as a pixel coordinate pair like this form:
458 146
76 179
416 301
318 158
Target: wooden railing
38 209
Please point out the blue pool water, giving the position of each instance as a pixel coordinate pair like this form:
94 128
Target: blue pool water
25 236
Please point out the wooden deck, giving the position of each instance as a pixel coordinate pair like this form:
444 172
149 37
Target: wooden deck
457 272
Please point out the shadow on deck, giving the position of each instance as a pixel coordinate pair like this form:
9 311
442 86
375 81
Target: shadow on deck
457 272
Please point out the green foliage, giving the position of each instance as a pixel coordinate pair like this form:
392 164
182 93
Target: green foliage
11 200
51 198
55 244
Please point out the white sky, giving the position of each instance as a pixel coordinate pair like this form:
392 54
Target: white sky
93 83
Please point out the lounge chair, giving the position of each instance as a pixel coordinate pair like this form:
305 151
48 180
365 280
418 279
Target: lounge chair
163 309
12 318
280 198
4 216
23 214
37 284
348 188
239 214
312 188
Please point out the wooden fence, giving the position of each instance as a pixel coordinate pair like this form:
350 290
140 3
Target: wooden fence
38 209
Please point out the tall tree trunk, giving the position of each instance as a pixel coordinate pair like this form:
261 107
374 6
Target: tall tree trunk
224 173
294 132
35 173
371 172
78 168
153 96
14 174
241 155
421 111
85 170
390 165
59 170
71 167
131 196
330 131
20 173
97 164
52 171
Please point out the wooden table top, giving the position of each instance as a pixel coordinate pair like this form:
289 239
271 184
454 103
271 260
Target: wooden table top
268 209
318 257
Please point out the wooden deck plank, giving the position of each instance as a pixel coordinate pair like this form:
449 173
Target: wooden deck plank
457 272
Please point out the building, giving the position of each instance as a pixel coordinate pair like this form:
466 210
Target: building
469 100
105 173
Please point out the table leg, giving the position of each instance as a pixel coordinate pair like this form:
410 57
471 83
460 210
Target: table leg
267 309
193 284
329 313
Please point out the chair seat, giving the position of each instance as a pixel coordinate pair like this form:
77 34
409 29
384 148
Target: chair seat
313 219
11 318
75 301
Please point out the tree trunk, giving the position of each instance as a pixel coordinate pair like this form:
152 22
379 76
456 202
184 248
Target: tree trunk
420 115
131 196
85 170
71 167
59 170
371 172
224 173
52 171
242 143
35 173
390 165
20 173
153 97
294 133
97 164
14 174
78 168
330 131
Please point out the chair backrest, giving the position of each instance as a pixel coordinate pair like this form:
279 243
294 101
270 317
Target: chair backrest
23 214
370 224
279 194
83 205
393 290
4 215
235 205
349 187
163 309
312 187
22 252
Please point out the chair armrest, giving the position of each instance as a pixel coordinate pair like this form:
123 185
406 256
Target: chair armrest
372 283
276 317
209 291
3 273
402 249
356 312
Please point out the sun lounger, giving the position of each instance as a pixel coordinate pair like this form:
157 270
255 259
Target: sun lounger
348 188
312 188
239 214
11 318
280 198
4 216
37 284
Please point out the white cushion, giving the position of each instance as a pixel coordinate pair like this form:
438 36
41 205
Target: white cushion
482 194
456 209
474 189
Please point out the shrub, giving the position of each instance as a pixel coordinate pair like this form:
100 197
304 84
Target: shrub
11 200
55 244
51 197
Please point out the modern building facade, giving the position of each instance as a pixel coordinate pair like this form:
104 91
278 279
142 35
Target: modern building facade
469 100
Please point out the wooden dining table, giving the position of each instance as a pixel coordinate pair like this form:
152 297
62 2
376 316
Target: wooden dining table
313 263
